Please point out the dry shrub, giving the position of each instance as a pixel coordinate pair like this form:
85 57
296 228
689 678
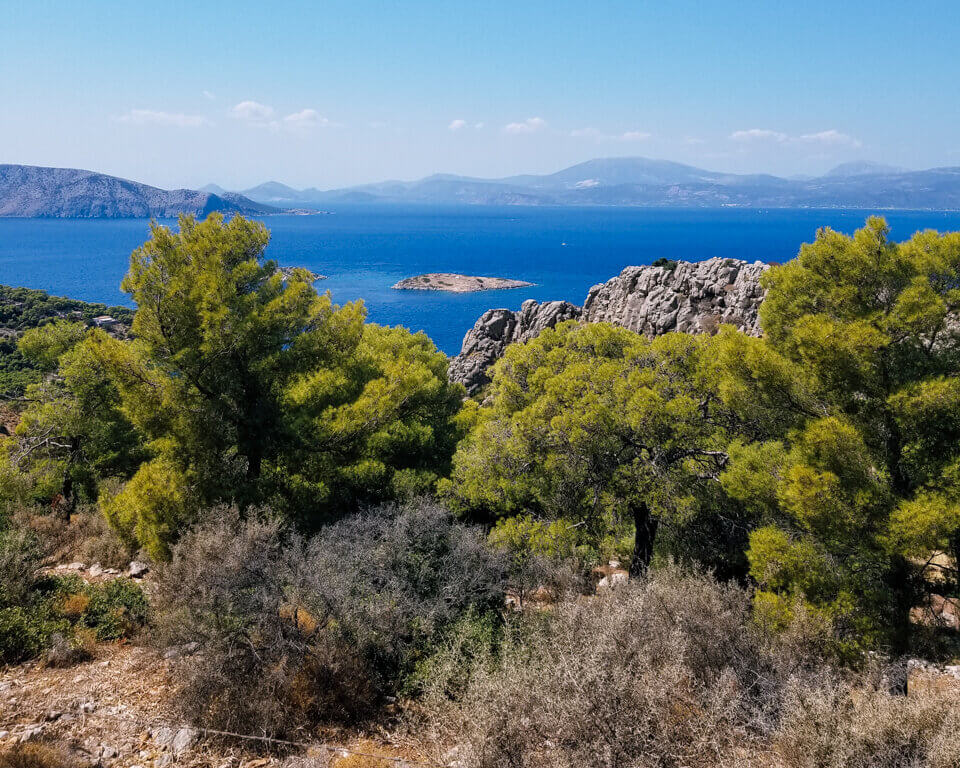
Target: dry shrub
295 633
87 537
19 560
34 755
664 672
841 725
75 605
226 587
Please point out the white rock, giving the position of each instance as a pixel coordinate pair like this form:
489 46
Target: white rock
163 737
613 580
137 569
185 738
31 734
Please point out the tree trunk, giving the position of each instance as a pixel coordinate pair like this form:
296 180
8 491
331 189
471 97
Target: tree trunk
902 585
644 535
66 490
254 463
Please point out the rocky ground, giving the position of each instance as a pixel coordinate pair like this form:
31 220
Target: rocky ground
113 712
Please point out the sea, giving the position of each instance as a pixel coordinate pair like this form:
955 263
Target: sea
364 250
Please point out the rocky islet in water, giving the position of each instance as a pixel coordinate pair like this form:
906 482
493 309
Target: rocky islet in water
455 283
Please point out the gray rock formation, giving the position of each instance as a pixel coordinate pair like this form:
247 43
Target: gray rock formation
691 297
485 342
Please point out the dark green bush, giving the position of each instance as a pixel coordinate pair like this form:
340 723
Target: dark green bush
35 611
116 609
668 264
25 631
21 636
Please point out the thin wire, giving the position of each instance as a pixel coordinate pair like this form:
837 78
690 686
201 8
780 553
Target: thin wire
250 737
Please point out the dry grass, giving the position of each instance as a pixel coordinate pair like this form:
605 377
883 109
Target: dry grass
75 605
86 537
850 726
33 755
375 755
667 672
672 672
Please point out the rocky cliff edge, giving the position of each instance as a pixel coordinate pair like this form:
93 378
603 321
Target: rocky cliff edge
690 297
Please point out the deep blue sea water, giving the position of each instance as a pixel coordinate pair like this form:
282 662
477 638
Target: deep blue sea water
365 250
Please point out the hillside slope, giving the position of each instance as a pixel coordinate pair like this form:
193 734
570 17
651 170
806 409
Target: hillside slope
31 191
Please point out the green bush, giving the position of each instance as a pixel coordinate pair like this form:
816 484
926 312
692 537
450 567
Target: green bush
20 635
25 631
116 609
61 609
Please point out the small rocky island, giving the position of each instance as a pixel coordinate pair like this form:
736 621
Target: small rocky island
453 283
288 272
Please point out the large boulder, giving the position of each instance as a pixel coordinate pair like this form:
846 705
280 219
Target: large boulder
485 343
690 297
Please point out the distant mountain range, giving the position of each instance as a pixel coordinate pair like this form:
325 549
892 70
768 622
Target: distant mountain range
638 181
32 191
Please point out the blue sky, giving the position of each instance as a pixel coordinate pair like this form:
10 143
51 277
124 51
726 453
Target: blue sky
335 93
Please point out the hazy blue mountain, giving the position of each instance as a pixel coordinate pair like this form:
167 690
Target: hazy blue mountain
275 193
864 168
33 191
639 181
214 189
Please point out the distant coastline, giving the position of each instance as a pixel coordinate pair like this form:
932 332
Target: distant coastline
620 182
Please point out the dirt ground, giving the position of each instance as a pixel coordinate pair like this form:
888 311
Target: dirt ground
110 712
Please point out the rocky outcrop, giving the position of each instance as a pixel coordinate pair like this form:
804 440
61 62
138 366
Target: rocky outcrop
485 342
690 297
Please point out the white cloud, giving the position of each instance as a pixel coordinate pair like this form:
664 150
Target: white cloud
456 125
155 117
478 126
586 133
593 133
305 119
209 96
758 134
831 137
530 125
252 112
